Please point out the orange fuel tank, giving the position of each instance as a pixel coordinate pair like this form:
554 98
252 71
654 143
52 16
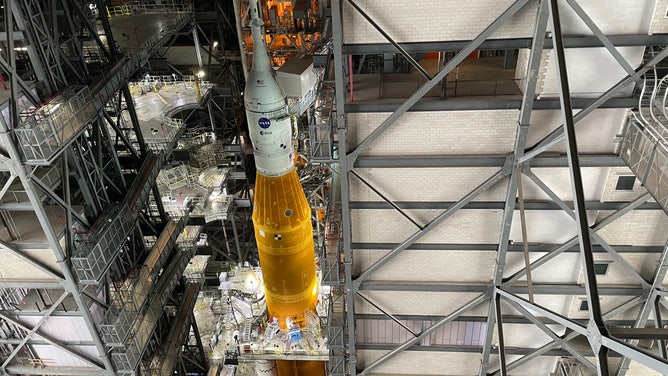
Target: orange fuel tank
284 235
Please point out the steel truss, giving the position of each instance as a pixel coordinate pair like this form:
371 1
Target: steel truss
504 289
58 187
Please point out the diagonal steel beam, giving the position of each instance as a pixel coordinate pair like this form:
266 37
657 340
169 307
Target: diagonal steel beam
387 314
433 224
595 314
559 341
390 202
573 241
569 336
34 330
45 188
415 97
533 68
643 315
602 37
593 334
611 251
557 135
53 342
396 45
7 185
34 262
451 317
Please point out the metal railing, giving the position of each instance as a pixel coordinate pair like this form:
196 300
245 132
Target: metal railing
44 131
118 322
96 249
139 56
136 9
127 358
453 88
336 333
644 148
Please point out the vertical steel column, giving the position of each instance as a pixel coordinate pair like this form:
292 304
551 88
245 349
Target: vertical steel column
645 310
596 325
511 194
658 322
69 283
499 325
344 167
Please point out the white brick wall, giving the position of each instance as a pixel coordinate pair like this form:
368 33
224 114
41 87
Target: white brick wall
428 133
544 226
611 16
425 184
611 194
405 21
659 23
417 302
558 179
607 304
388 226
522 66
429 265
591 71
564 268
639 227
421 363
595 133
432 20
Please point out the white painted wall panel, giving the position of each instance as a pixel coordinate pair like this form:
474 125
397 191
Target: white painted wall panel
610 193
564 268
558 181
53 356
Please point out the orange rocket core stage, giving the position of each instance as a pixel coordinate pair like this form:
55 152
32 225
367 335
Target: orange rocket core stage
284 235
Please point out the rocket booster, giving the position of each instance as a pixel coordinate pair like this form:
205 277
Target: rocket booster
281 214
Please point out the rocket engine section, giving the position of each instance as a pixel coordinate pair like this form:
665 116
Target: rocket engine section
281 214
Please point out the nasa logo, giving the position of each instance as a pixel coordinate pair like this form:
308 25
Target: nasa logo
264 123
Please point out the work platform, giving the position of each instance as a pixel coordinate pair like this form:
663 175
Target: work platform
52 243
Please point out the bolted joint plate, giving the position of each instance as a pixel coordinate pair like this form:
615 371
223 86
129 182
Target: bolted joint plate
594 336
